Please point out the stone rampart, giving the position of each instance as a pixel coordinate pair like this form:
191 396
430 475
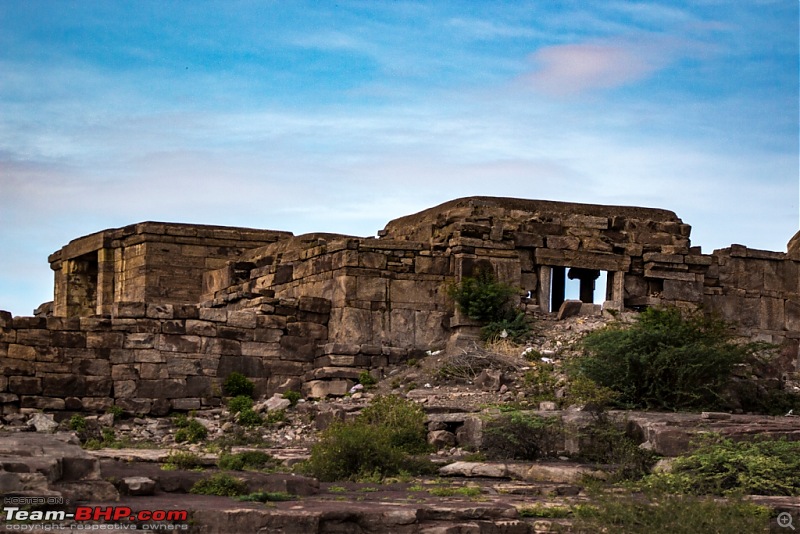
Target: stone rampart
149 358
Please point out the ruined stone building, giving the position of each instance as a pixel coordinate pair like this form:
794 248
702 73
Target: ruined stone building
153 316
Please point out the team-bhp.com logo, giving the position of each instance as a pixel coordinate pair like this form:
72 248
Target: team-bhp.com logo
92 518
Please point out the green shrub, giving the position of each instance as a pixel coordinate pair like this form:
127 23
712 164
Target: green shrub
463 491
544 511
606 442
483 298
366 380
182 460
665 360
724 467
516 329
540 382
237 384
248 417
275 417
192 431
267 496
221 484
375 445
116 411
521 436
77 423
246 460
403 421
292 396
240 403
668 514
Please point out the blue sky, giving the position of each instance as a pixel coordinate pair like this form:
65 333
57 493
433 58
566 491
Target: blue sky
322 116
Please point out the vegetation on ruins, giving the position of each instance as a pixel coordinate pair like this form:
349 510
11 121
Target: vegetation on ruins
665 360
484 298
237 384
380 442
251 460
521 436
721 466
190 430
293 397
221 484
667 514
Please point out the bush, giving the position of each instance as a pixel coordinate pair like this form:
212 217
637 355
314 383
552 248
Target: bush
183 460
267 496
483 298
293 397
77 423
521 436
351 451
606 442
240 403
724 467
376 445
401 420
191 431
366 380
248 417
237 384
668 514
665 360
221 484
515 329
246 460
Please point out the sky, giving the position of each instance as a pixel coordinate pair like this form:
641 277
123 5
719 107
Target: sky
338 117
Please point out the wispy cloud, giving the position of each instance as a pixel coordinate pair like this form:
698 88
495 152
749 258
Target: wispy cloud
565 70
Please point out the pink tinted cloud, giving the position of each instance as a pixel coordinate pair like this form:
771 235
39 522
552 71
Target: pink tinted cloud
566 70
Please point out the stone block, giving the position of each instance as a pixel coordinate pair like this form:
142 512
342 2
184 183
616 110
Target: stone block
250 366
684 291
150 356
130 310
772 314
210 345
186 404
104 340
232 332
98 386
36 337
320 389
178 343
242 319
25 385
168 388
569 308
314 304
63 385
139 341
792 315
21 352
13 366
217 315
267 335
25 323
124 372
94 367
562 242
298 348
201 328
69 339
307 330
160 311
263 350
271 321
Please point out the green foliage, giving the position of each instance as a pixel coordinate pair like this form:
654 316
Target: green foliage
275 417
240 403
516 329
116 411
292 396
190 430
375 445
668 514
463 491
77 423
221 484
521 436
248 417
237 384
267 496
665 360
182 460
540 382
605 442
544 511
584 390
401 420
366 380
107 440
483 298
246 460
724 467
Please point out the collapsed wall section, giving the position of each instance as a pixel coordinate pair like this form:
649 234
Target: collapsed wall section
150 358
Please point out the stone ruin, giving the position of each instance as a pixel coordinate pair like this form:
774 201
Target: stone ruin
153 316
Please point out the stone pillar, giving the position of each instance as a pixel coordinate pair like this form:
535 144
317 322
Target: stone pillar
615 291
105 281
559 291
587 278
543 290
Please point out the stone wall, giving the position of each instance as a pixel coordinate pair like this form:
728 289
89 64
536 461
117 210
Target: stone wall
149 358
158 263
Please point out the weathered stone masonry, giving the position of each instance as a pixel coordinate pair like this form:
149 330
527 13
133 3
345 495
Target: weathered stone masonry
181 306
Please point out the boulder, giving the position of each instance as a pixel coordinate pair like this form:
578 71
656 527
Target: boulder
43 422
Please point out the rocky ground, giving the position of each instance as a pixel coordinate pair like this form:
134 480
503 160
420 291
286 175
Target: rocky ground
136 462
